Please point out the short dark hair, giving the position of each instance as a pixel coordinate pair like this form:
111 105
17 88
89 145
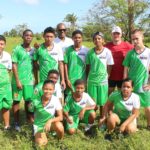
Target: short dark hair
49 30
53 72
97 33
137 30
79 82
48 82
27 30
77 32
128 80
2 38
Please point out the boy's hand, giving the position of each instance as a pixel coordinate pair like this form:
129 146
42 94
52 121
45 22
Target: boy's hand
122 128
146 87
81 114
19 85
63 84
69 84
101 121
48 126
69 120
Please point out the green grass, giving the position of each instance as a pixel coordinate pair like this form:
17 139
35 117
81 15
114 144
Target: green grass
24 140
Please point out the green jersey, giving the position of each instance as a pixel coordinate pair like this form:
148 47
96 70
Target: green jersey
123 108
75 61
5 65
43 113
48 60
24 61
74 107
98 66
138 65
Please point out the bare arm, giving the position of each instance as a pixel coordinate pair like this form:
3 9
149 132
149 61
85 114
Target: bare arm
35 71
61 70
87 70
109 68
125 73
15 72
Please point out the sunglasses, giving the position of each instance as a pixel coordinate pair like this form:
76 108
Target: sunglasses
60 30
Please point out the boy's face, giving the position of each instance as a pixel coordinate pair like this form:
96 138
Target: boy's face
80 89
27 37
77 39
137 39
116 37
2 45
53 77
98 40
126 88
49 37
48 90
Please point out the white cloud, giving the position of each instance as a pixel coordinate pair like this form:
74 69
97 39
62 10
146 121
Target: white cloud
64 1
29 2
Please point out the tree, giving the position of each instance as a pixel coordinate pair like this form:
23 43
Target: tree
20 28
72 19
125 13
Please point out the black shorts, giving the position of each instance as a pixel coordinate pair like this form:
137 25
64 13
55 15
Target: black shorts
113 83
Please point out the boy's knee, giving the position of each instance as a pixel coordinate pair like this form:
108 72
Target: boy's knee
71 131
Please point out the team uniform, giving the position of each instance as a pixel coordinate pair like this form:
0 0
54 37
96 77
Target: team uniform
5 85
63 43
75 61
48 60
43 113
138 65
24 61
38 92
74 108
118 52
123 108
97 82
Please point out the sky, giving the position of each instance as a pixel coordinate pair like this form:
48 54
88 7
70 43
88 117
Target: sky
39 14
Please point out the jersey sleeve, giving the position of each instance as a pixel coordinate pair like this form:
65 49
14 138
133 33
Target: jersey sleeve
35 55
90 101
66 107
14 56
58 105
60 54
87 59
136 102
110 60
58 91
126 61
9 66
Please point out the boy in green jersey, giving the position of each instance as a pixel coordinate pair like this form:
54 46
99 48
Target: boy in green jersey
74 59
22 79
53 75
47 114
99 61
5 86
49 56
122 108
136 67
79 107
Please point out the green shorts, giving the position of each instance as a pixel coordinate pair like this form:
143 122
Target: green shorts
26 92
144 98
5 96
76 120
98 93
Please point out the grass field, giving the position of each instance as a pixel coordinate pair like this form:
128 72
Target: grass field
24 140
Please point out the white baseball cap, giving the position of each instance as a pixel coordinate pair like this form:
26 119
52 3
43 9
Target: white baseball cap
117 29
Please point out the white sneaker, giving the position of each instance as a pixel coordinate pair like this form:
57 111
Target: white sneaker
88 126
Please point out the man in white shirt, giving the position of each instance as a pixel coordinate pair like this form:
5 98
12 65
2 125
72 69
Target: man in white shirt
62 39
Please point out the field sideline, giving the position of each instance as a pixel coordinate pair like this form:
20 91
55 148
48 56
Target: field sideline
24 140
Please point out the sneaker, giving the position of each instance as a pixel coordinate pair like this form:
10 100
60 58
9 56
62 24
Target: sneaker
108 137
17 127
7 128
87 127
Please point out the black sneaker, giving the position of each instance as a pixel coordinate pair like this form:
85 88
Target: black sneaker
108 137
92 132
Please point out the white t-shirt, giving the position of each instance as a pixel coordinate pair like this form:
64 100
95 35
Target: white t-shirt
6 60
57 53
57 91
63 44
106 57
